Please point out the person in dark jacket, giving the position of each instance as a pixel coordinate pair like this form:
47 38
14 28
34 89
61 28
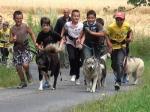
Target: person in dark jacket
58 28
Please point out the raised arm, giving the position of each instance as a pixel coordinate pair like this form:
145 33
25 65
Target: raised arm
97 34
62 40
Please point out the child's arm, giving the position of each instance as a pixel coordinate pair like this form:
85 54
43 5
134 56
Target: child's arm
97 34
62 40
62 32
129 36
32 36
39 46
12 37
109 44
80 37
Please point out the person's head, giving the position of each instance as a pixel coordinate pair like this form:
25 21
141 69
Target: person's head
91 16
66 12
5 25
18 17
45 24
75 16
119 17
100 20
1 18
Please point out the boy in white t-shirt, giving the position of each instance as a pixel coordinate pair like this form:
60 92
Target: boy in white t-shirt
74 30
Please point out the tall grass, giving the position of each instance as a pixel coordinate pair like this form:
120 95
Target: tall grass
33 20
136 100
140 47
59 4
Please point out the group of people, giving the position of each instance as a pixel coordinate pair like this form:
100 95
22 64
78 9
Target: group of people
82 40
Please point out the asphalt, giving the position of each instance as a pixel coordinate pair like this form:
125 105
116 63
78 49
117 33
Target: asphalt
67 94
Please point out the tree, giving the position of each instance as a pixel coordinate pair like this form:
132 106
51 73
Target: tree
139 2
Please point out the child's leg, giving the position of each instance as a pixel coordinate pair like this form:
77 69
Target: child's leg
46 84
9 61
21 76
17 59
71 54
43 72
46 76
26 58
20 73
5 54
1 55
77 63
28 75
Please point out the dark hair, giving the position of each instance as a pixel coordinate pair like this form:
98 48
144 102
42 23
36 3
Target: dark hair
100 20
18 12
1 16
75 10
91 12
45 20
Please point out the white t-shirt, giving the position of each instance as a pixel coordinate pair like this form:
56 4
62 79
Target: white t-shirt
73 30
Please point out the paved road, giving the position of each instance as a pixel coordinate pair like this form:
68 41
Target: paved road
67 94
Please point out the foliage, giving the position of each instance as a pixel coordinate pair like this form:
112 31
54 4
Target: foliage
139 2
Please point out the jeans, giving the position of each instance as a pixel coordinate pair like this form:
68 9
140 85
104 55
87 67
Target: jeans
117 58
87 52
96 50
74 60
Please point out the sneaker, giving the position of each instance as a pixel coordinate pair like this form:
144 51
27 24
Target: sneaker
77 82
53 88
46 85
41 86
73 78
117 86
125 80
21 85
30 82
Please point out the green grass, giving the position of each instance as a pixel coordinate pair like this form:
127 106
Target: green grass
8 77
136 100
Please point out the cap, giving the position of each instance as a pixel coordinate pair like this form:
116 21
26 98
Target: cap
120 15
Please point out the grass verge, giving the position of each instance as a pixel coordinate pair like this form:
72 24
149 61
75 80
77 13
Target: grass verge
8 77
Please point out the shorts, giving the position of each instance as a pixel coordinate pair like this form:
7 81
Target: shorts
22 57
